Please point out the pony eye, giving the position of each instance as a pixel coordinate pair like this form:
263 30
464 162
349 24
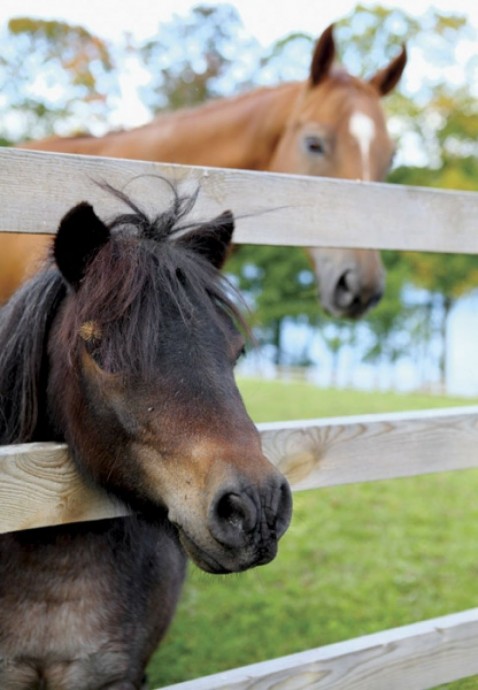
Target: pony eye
240 354
93 349
91 336
315 145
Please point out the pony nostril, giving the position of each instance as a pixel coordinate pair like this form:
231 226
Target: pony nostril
237 511
259 516
231 517
283 509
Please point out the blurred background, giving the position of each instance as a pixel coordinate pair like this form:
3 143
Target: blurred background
69 69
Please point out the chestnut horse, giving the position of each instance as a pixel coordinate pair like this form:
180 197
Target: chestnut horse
125 348
331 125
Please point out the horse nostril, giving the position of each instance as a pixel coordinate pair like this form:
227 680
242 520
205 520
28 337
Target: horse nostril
231 517
351 298
374 299
346 290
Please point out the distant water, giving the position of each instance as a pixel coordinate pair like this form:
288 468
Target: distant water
463 348
409 373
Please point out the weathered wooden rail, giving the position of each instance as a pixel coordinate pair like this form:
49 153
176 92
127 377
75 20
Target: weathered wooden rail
39 486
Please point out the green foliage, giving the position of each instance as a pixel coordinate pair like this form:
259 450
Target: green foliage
76 47
386 321
51 71
451 275
357 559
445 277
203 55
278 284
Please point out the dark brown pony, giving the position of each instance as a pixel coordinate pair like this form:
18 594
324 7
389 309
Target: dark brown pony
330 125
124 347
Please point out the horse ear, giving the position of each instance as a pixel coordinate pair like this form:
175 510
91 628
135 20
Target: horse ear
323 57
211 240
80 236
387 78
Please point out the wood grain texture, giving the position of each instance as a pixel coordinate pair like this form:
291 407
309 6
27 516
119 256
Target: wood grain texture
343 450
414 657
39 485
37 188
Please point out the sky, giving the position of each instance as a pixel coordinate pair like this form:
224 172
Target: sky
111 18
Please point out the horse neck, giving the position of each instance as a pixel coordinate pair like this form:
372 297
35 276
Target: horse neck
239 132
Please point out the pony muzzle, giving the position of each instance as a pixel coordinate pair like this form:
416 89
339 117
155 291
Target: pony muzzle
251 520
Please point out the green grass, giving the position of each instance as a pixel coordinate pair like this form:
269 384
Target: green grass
357 559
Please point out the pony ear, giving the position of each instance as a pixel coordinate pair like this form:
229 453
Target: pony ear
212 240
387 78
80 236
323 56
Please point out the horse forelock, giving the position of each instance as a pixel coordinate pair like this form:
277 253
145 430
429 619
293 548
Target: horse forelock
350 84
136 281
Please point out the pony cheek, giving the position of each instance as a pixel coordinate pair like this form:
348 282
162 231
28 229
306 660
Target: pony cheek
93 421
168 478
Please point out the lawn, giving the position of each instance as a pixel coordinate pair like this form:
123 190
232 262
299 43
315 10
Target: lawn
357 559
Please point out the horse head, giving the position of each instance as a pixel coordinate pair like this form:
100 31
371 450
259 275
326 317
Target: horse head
141 359
338 130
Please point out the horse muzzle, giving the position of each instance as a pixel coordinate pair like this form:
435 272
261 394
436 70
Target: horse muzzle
351 298
351 281
244 525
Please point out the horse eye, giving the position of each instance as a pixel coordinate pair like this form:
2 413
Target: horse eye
315 145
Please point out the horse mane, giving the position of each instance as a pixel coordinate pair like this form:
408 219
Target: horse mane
25 322
119 295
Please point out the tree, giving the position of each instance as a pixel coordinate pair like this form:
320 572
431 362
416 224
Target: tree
203 55
52 72
278 284
445 277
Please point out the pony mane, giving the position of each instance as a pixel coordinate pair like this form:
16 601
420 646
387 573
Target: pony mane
25 322
128 288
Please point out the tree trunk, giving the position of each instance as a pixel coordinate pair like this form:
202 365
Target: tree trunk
277 341
447 305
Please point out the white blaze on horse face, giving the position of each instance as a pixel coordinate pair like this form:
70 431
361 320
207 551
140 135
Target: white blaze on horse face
362 127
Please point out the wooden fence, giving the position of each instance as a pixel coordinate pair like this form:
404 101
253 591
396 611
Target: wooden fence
39 485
